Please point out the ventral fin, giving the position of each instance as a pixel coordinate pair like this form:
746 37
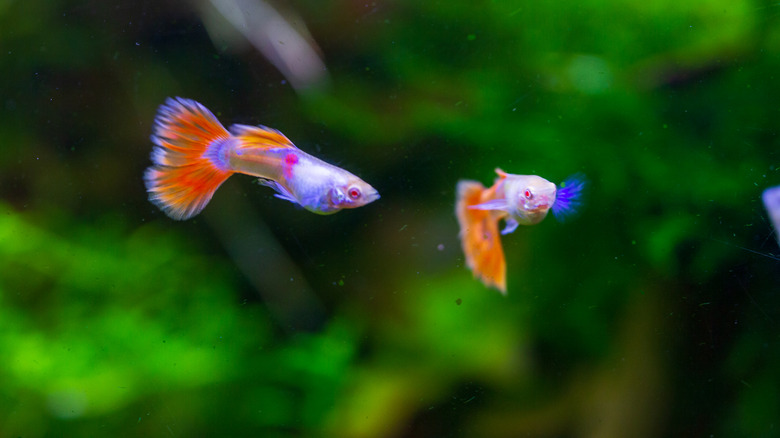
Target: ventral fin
281 191
511 225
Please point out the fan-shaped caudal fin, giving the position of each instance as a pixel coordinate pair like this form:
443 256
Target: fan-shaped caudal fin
479 236
188 160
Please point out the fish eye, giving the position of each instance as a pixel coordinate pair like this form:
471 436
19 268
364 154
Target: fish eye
528 194
354 193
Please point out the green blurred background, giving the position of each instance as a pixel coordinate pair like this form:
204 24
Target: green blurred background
653 313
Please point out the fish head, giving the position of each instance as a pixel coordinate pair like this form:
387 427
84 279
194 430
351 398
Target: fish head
529 197
343 192
326 189
351 194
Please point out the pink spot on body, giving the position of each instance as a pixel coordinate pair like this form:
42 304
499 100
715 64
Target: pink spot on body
289 161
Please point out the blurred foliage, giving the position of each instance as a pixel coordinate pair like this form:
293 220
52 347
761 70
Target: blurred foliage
106 322
653 313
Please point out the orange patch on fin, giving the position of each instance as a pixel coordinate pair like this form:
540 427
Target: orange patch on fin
479 235
187 167
260 136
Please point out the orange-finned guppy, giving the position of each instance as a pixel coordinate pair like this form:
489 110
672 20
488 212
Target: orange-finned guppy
518 200
194 154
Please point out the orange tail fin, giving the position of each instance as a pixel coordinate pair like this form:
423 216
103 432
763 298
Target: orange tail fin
479 236
187 161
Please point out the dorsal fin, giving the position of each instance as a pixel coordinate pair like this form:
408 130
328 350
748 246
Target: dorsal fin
260 136
501 173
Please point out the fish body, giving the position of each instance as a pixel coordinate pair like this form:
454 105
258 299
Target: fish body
518 200
194 154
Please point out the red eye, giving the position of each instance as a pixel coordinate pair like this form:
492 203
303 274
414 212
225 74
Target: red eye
528 194
354 193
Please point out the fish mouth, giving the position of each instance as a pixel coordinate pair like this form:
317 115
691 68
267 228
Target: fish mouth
371 196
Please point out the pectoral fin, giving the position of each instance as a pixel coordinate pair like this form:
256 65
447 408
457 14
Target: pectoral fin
494 204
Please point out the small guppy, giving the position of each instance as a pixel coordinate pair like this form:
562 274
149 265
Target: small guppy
194 154
519 200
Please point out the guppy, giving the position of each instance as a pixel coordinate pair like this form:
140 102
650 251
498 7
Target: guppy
194 154
518 200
